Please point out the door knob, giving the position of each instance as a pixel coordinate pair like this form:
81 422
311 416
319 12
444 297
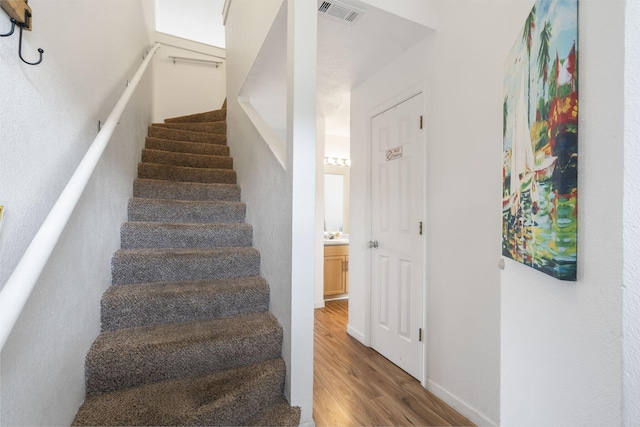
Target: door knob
373 244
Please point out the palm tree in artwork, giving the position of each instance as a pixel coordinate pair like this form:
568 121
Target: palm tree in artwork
505 114
527 38
543 53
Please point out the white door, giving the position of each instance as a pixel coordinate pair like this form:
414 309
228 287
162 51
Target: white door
397 221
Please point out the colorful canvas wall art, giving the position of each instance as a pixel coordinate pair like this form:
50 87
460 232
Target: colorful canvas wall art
540 141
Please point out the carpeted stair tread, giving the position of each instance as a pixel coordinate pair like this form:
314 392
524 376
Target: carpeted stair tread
185 135
184 235
146 304
169 265
224 398
186 174
209 116
160 189
135 356
219 127
186 159
186 211
278 414
187 336
186 147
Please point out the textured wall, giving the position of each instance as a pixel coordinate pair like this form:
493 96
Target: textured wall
631 320
280 197
186 87
561 341
48 119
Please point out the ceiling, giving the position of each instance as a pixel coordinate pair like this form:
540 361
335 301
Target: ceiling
348 54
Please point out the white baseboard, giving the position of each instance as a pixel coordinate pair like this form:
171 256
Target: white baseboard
460 405
337 298
310 423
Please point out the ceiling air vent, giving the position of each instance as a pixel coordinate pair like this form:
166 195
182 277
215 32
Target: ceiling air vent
340 12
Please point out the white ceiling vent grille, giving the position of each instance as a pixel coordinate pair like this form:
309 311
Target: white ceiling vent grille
340 12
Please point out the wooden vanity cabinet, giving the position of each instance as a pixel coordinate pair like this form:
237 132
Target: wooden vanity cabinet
336 270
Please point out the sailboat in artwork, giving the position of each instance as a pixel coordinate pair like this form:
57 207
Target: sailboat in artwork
522 158
525 171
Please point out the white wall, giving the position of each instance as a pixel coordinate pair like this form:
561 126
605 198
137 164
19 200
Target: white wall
463 172
48 117
561 341
187 87
283 231
264 92
561 355
631 278
198 20
337 146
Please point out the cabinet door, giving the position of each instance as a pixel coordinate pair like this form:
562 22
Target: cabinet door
334 275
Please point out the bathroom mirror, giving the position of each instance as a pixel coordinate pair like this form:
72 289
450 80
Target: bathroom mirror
336 198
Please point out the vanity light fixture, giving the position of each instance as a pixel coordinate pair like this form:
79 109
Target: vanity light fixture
335 161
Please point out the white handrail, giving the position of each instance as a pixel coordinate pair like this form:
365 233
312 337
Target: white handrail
18 288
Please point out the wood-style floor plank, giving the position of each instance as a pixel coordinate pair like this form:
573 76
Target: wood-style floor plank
356 386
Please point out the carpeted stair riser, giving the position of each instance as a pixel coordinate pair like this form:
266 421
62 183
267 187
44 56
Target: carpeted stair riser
149 304
169 265
180 235
209 116
186 147
185 211
235 397
186 174
209 127
187 159
185 135
158 189
279 414
136 356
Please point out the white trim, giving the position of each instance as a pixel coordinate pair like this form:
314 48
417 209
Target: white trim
460 405
310 423
190 45
357 335
399 98
274 141
225 11
16 292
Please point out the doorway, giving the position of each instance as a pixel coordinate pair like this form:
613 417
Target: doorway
398 235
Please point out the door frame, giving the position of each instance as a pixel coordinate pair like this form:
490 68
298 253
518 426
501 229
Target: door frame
420 88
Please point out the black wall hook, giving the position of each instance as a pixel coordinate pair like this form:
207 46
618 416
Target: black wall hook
13 27
20 51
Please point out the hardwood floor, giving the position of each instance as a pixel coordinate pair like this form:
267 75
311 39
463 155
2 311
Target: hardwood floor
356 386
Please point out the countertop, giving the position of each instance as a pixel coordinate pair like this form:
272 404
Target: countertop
336 242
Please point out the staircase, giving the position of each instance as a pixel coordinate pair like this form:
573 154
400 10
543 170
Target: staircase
187 338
